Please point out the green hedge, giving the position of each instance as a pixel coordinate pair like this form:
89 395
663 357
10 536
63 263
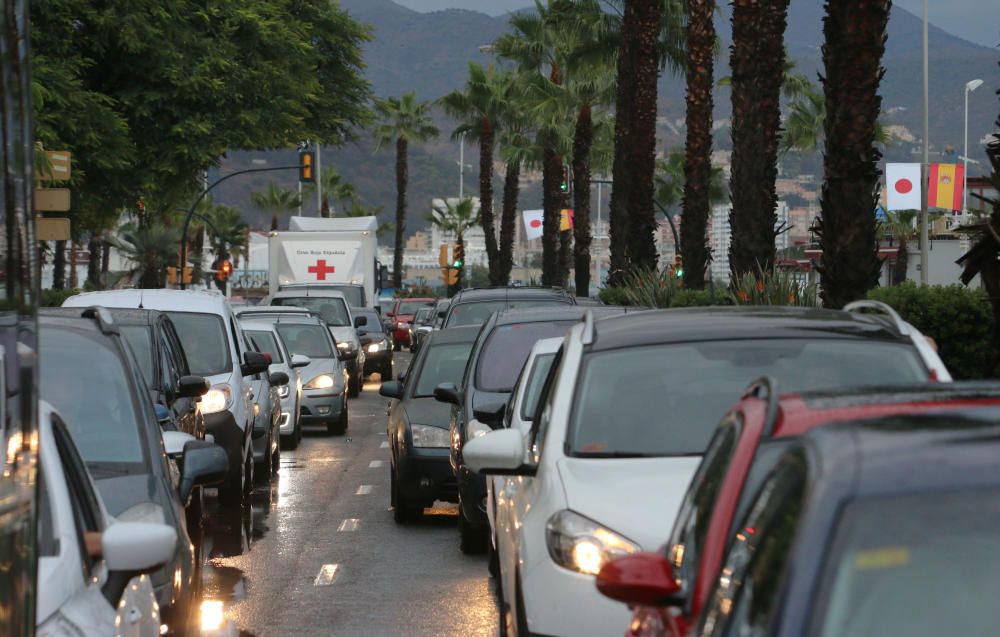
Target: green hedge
55 298
959 319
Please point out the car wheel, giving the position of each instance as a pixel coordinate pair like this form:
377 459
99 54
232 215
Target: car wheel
354 382
266 467
298 434
249 482
386 372
472 541
503 614
337 427
397 346
232 491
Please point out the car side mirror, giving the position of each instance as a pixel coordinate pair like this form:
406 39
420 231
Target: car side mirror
300 360
491 414
448 393
278 379
137 547
254 363
192 386
391 389
499 452
204 463
346 355
360 321
642 579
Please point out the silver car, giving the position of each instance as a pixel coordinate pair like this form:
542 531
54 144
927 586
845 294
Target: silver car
264 336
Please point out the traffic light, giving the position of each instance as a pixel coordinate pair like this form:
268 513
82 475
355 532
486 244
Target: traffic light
172 275
678 266
443 256
450 276
225 271
458 256
564 184
307 173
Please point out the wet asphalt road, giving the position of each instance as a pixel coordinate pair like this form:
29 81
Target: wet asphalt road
318 552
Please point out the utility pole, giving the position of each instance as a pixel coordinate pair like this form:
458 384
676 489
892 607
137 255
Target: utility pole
925 168
461 167
969 87
319 179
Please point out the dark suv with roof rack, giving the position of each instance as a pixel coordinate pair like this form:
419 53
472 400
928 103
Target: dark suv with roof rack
474 305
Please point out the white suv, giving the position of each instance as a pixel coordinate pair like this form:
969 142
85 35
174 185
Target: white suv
216 348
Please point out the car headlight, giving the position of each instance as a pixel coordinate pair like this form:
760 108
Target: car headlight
323 381
404 326
283 391
477 429
427 436
582 545
219 398
375 347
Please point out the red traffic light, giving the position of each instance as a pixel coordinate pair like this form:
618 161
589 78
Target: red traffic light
225 271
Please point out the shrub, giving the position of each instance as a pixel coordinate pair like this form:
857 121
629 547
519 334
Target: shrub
55 298
959 319
772 287
701 298
651 288
613 296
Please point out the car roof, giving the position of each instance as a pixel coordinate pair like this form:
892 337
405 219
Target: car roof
294 319
195 301
464 334
258 325
271 309
321 293
735 323
421 299
470 295
128 316
551 313
77 318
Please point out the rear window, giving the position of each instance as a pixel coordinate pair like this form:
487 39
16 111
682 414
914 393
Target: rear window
507 348
476 312
140 339
676 394
206 346
309 340
267 344
443 364
332 310
411 307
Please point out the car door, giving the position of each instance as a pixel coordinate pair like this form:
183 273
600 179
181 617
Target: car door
183 410
194 420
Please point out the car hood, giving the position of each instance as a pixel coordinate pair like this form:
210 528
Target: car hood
427 411
636 497
122 493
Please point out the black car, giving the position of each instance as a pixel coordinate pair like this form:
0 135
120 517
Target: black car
377 343
158 350
503 345
884 527
418 424
474 305
89 374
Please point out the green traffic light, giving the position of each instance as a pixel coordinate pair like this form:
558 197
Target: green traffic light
679 273
457 264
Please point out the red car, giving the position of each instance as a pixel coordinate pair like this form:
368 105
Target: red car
402 314
668 590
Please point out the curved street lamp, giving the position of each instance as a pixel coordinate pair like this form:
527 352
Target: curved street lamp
969 87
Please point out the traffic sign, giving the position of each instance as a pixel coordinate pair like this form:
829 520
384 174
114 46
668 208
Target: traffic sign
58 166
52 199
52 229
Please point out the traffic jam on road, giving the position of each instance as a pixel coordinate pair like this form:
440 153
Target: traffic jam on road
562 467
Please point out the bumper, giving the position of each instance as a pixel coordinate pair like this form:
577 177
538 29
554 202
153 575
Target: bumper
401 335
561 602
228 435
375 361
472 487
321 406
425 475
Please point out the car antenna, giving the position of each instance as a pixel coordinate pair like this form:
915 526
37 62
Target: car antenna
140 299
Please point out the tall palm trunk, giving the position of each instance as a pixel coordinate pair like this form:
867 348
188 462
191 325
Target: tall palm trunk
551 196
486 143
73 280
899 267
642 155
59 265
855 32
508 222
758 62
621 190
94 264
402 174
698 149
583 140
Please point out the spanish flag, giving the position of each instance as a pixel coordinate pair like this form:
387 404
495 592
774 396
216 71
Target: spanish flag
945 187
566 219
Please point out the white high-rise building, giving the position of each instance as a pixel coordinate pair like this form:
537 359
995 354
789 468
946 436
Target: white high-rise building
721 237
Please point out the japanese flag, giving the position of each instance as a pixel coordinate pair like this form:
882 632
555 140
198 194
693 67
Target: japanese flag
533 224
902 182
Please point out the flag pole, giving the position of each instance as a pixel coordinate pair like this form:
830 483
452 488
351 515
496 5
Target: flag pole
925 168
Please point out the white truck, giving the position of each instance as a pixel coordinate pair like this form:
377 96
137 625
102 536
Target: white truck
339 253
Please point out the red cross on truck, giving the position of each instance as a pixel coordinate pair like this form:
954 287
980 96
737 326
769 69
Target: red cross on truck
321 269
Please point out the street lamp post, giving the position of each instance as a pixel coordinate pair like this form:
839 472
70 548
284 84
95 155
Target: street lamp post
969 87
925 167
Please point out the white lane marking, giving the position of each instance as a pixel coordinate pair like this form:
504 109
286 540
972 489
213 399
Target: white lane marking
384 445
350 524
364 489
374 464
327 575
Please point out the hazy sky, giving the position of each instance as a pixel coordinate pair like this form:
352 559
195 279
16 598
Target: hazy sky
974 20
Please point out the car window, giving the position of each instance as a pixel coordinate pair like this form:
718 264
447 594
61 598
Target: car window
676 393
313 341
176 349
168 374
410 307
106 431
353 294
543 412
898 561
48 544
507 348
374 324
424 316
443 363
139 338
764 461
746 593
332 310
695 514
476 312
206 345
267 344
87 515
536 379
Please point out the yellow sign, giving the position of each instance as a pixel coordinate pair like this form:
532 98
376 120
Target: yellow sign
52 228
59 166
52 199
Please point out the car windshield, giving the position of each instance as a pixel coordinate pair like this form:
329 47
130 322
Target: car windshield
77 366
308 340
353 294
676 394
410 307
443 363
374 324
331 309
533 388
897 562
266 343
476 312
203 337
139 338
507 347
424 316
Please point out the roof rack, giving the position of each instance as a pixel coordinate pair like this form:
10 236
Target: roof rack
765 388
895 320
588 328
103 317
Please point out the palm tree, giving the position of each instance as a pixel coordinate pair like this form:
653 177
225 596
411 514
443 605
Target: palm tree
758 65
697 159
150 248
276 201
228 232
671 176
479 108
335 189
357 209
806 120
899 226
404 120
456 217
855 34
517 150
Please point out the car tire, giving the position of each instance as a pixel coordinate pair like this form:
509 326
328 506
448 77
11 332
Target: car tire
397 346
472 541
386 372
503 613
231 492
354 383
339 426
248 484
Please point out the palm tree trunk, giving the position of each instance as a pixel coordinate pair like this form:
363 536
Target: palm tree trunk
486 144
621 190
59 265
642 154
855 32
758 62
902 261
583 140
698 149
551 196
508 222
73 281
401 178
94 264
